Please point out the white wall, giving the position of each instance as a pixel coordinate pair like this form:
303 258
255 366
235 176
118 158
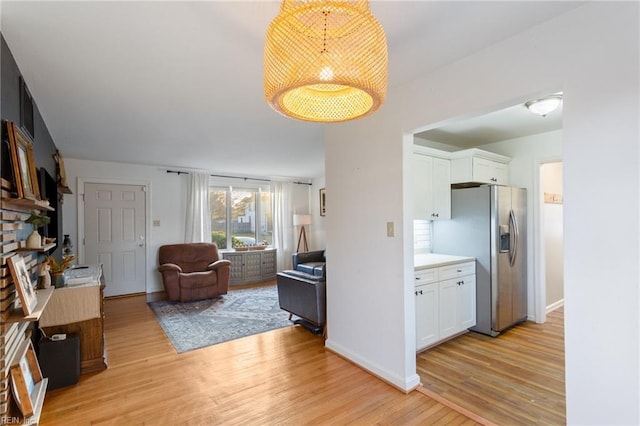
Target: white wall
167 199
551 174
591 54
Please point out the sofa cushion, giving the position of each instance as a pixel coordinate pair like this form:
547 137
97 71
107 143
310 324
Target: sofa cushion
193 280
301 275
310 267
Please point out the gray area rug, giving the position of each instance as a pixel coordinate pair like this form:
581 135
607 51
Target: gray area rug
238 313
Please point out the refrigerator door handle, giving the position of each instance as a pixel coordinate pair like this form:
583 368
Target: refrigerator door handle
513 252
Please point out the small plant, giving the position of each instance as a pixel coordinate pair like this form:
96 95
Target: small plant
38 220
59 267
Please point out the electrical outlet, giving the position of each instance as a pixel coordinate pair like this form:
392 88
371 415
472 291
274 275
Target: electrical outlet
156 222
390 230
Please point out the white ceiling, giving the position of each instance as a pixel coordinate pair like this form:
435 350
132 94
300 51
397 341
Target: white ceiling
179 84
505 124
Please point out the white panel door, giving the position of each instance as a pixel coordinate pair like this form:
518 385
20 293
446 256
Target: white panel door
115 236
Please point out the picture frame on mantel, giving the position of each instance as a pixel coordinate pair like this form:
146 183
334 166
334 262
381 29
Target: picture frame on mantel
323 202
23 163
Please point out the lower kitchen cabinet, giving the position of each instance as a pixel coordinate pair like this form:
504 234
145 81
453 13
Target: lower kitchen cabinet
445 302
457 305
427 313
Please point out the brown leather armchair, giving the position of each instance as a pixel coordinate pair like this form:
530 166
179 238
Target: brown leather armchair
193 271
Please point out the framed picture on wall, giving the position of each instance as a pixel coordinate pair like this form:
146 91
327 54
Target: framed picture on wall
323 202
62 174
22 282
26 110
23 164
26 378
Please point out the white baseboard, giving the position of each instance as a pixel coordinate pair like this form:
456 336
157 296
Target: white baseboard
404 384
555 305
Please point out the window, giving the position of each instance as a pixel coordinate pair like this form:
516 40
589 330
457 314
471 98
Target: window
241 215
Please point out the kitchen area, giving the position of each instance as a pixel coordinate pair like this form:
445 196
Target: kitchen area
479 345
470 245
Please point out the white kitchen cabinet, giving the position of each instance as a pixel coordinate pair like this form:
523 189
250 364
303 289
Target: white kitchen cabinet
427 314
477 166
431 187
426 292
457 305
445 301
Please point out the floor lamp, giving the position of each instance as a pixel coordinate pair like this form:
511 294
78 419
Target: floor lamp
301 220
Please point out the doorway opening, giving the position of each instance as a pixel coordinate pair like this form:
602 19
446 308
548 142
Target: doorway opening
536 165
550 222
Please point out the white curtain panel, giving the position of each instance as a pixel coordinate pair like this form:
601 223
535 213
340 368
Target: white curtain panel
282 223
198 223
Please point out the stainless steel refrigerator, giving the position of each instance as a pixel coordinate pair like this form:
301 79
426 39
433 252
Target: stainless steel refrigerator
489 223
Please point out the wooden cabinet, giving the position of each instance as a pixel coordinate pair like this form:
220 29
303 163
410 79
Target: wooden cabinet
60 317
475 166
252 266
445 302
431 186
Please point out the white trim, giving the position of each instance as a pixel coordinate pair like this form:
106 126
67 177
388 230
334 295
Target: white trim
146 184
480 153
404 384
555 305
431 152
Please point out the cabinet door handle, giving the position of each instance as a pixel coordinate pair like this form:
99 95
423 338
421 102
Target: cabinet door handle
420 291
418 278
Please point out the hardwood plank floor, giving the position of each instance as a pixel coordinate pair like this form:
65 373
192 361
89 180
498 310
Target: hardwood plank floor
282 377
516 378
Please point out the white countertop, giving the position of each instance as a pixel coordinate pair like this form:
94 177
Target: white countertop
431 260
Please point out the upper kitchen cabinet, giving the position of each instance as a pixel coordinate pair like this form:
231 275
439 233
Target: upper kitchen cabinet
475 166
431 184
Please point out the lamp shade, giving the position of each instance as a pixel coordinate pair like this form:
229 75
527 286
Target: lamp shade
325 61
301 219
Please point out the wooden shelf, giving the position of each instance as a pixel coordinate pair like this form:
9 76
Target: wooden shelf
44 249
43 298
26 203
64 189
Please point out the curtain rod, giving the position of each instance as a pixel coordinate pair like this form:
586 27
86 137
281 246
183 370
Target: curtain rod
236 177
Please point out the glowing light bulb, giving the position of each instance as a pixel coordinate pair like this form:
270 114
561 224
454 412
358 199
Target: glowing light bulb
326 74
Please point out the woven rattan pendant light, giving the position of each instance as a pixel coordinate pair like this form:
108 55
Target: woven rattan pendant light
325 61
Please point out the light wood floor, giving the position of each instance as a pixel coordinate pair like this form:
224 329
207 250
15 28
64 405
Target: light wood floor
282 377
516 378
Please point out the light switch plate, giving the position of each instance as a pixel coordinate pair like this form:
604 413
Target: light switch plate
390 230
156 222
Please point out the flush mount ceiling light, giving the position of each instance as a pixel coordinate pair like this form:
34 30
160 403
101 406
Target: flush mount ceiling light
325 61
545 105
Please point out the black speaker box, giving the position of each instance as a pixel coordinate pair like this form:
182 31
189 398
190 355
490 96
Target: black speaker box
60 361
